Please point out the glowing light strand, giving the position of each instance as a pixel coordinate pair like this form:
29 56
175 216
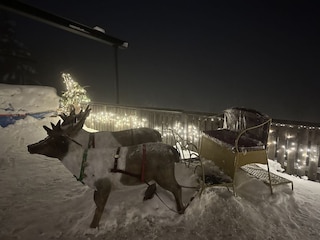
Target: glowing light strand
74 96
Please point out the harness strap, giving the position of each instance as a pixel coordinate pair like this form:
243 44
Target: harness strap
91 144
139 176
143 162
115 164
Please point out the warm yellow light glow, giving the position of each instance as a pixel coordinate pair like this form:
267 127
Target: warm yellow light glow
74 96
190 133
288 136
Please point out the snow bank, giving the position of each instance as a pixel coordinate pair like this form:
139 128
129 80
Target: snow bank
21 99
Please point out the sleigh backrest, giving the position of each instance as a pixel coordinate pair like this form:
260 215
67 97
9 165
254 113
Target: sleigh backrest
239 119
242 127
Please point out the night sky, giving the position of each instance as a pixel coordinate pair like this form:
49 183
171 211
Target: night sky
195 56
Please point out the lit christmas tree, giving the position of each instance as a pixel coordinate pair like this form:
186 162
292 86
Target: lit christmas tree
74 97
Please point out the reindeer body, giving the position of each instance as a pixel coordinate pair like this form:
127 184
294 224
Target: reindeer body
139 153
100 161
121 138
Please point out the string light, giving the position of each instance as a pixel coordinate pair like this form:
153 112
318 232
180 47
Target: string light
74 96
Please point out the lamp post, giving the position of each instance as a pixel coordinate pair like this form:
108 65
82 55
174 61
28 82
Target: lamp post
117 73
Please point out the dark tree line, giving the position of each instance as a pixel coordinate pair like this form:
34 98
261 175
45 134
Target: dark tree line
16 63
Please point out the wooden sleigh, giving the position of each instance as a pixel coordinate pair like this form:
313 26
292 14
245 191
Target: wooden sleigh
241 140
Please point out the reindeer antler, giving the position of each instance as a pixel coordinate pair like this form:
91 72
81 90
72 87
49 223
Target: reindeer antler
80 119
71 119
56 129
71 124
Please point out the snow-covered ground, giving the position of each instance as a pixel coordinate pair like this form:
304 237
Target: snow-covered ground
40 199
16 99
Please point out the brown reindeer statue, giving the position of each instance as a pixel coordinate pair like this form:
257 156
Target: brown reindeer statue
107 160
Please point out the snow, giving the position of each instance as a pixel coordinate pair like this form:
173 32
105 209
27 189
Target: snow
21 99
40 199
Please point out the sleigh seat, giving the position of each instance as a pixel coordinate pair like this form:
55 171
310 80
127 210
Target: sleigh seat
241 140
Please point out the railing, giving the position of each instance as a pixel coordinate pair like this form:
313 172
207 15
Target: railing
296 146
170 123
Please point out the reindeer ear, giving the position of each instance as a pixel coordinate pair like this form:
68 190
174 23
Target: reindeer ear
48 130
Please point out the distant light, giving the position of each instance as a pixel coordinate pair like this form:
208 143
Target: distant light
288 136
125 45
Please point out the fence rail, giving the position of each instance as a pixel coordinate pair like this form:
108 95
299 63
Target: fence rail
188 125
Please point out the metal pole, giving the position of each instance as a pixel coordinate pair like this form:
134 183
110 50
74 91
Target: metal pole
117 74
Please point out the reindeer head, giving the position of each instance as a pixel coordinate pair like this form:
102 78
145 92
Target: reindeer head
56 144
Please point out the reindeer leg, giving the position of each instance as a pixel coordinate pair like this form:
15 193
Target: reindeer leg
173 187
177 193
100 198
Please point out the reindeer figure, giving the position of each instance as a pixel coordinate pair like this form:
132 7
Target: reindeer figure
104 160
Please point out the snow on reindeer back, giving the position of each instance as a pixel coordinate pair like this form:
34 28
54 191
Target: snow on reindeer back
22 99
